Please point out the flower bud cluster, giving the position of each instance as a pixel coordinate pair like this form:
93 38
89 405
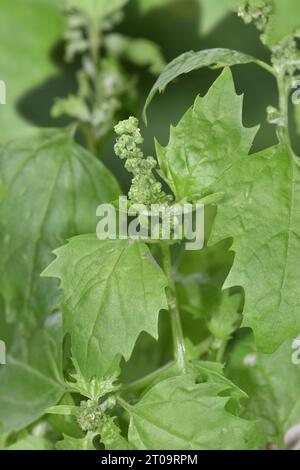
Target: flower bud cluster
145 189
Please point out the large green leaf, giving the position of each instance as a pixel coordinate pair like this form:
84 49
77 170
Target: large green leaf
272 383
209 137
32 379
190 61
113 290
259 209
25 61
180 414
54 188
261 213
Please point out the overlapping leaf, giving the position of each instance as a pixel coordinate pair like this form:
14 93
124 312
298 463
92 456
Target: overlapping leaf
113 290
208 153
54 187
180 414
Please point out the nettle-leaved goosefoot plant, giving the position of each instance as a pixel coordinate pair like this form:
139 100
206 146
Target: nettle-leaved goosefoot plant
223 380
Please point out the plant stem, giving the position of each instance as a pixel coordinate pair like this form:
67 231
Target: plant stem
147 380
178 339
221 352
283 131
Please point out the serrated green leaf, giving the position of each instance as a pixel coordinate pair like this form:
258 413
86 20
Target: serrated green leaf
272 383
32 379
65 410
55 187
40 26
209 136
113 290
180 414
259 209
190 61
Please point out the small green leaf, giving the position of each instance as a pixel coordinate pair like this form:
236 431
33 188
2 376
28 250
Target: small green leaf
40 26
208 152
113 290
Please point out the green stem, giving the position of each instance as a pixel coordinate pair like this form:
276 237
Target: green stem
91 142
144 382
178 339
283 128
221 352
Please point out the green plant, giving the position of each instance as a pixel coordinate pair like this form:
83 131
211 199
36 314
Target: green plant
222 318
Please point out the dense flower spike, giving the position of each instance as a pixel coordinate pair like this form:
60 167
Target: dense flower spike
256 11
145 189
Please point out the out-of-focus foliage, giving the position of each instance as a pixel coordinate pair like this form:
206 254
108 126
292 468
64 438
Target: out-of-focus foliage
25 58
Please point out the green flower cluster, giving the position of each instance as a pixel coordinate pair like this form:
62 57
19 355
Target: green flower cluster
286 56
256 11
89 416
145 189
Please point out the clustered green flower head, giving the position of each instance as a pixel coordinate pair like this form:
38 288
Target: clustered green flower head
89 416
145 189
257 11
